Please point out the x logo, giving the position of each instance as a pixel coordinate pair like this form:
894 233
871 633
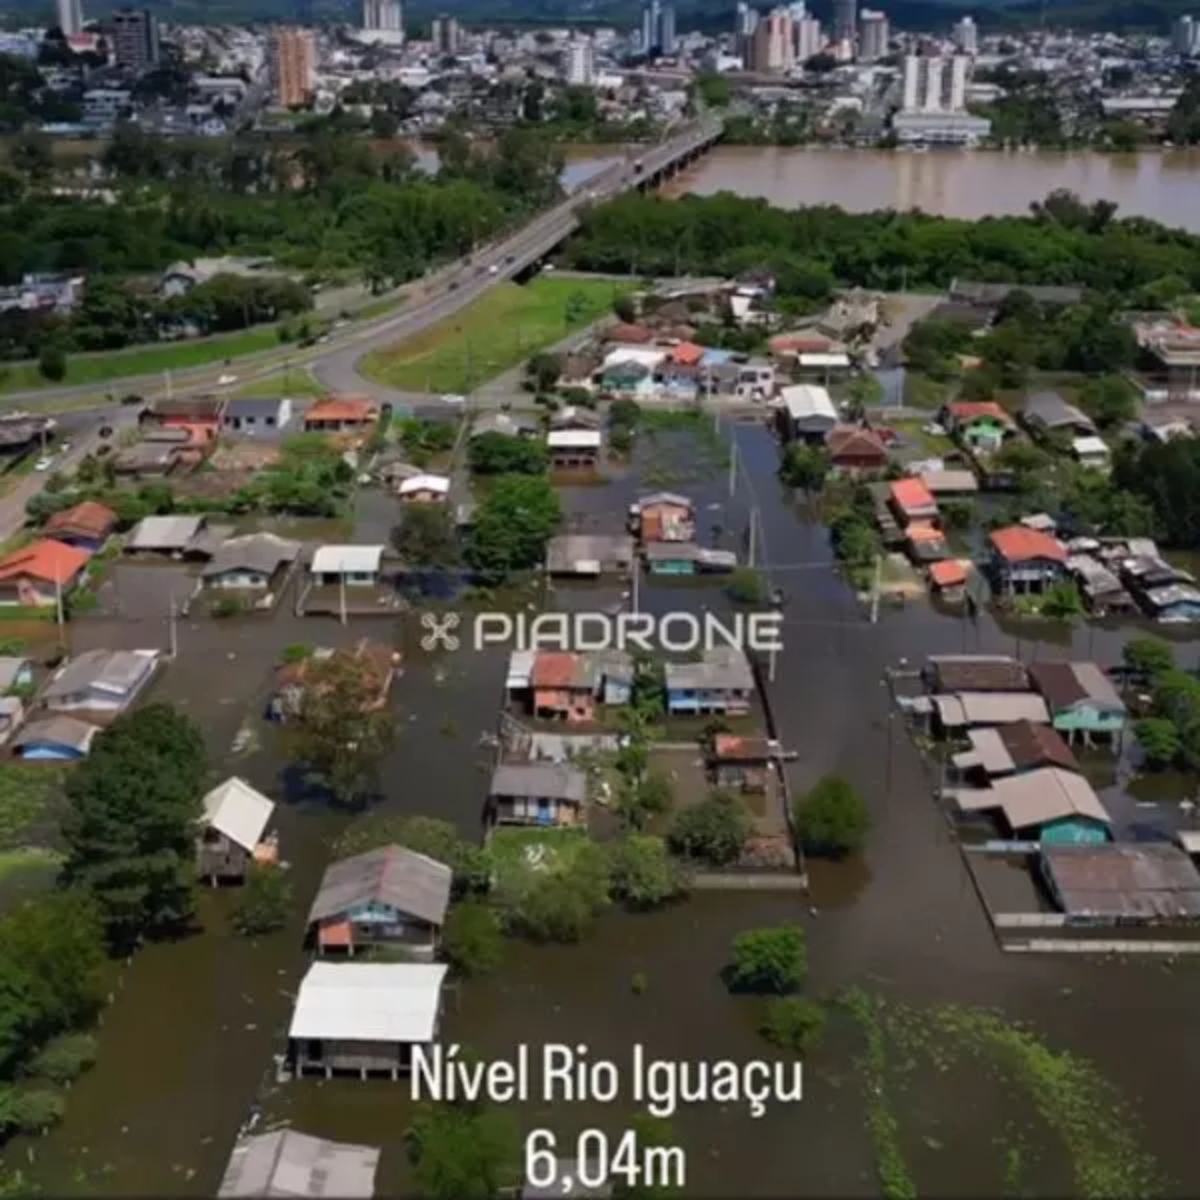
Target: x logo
441 631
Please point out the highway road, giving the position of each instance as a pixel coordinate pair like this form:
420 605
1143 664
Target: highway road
430 300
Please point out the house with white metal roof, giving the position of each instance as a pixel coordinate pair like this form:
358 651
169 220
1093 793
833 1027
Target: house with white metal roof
351 566
232 832
364 1018
810 413
574 447
286 1163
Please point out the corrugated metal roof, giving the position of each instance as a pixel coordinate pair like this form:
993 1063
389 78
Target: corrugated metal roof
165 533
1146 880
550 781
369 1002
990 708
393 875
347 560
287 1163
239 811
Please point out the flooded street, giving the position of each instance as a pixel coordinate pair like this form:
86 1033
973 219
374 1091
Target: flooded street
1164 186
186 1048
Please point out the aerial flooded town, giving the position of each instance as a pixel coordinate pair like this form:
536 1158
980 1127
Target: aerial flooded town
526 671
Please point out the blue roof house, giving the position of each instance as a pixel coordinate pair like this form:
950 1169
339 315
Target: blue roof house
721 682
55 739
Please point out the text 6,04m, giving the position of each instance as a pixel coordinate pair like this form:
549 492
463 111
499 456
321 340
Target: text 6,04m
593 1161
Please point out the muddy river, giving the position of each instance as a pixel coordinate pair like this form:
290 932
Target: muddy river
187 1046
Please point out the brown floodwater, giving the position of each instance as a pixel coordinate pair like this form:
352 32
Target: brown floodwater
187 1046
1164 186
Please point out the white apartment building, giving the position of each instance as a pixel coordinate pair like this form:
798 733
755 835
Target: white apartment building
935 84
810 38
1185 37
579 62
873 35
966 36
384 17
773 47
70 17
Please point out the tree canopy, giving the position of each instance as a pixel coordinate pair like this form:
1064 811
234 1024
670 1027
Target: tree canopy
514 521
832 818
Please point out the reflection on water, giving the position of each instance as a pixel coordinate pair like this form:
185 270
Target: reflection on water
1162 186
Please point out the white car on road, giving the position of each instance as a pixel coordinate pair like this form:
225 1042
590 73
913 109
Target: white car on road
452 399
43 464
227 381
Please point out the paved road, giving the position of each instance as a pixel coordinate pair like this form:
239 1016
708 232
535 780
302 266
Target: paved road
428 302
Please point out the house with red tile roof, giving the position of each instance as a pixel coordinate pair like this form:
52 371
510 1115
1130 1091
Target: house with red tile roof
948 578
1023 560
341 414
912 501
563 687
87 525
853 449
982 424
38 575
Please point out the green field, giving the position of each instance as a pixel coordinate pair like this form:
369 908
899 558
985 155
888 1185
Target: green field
495 333
142 360
297 384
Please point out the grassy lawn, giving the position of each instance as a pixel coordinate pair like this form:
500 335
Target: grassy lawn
297 384
922 392
915 434
142 360
517 850
497 332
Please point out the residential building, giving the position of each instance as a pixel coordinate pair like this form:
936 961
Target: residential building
364 1018
845 23
1091 451
1123 883
55 739
189 413
347 566
293 63
955 715
1025 560
256 414
808 412
174 537
588 555
388 896
948 579
1012 750
1048 412
424 489
233 832
740 763
808 37
966 36
773 45
256 562
135 45
563 687
658 29
446 35
1084 705
933 102
505 424
42 294
663 517
41 574
745 20
383 17
341 415
104 682
538 793
574 449
70 17
1185 36
873 35
1048 805
287 1163
977 424
609 675
672 558
86 525
975 673
720 683
950 484
912 502
579 62
925 543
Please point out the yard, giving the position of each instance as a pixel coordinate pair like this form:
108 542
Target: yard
515 851
30 798
495 333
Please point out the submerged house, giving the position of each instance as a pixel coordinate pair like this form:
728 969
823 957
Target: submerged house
1122 883
254 563
1023 560
663 517
41 574
742 763
538 793
389 896
720 683
588 555
364 1018
55 739
87 525
287 1163
232 832
1048 805
574 448
105 682
1012 750
1084 704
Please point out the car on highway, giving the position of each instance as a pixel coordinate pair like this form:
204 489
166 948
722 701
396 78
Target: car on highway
449 398
227 381
43 464
493 269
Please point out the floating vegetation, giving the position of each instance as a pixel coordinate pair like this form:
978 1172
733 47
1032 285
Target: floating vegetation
1074 1102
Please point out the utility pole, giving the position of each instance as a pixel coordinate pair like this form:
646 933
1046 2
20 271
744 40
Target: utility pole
636 583
172 630
342 592
167 383
60 612
772 656
732 469
876 589
753 537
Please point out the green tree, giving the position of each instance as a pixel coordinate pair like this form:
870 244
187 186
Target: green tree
832 818
512 525
133 807
1160 742
543 371
746 586
641 795
773 960
793 1023
463 1152
426 538
500 454
805 467
339 730
52 363
713 831
1147 658
472 940
643 876
264 903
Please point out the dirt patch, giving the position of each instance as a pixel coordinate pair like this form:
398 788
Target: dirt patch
244 456
211 485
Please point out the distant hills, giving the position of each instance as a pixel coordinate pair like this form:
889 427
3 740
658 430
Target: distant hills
707 15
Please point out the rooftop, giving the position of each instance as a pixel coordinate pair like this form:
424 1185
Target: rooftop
1067 683
347 560
89 518
977 673
911 495
261 552
118 673
1038 798
550 781
290 1164
165 534
1146 880
412 883
238 811
1018 543
45 560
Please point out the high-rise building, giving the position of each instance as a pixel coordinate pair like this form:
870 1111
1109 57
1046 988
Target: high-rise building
845 20
382 16
70 17
446 35
579 62
935 84
809 39
773 47
135 44
658 28
294 64
746 20
966 36
873 35
1185 37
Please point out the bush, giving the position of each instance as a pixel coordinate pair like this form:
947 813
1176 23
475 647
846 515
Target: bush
769 960
30 1111
713 831
552 910
472 942
643 877
65 1059
793 1023
832 818
52 363
264 902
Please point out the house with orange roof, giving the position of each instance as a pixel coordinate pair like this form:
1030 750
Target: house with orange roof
87 525
912 501
563 687
40 574
925 542
978 424
1024 560
740 762
948 579
341 414
199 415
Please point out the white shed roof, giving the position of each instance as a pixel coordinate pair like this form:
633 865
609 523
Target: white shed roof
805 400
369 1002
520 669
833 361
1090 446
425 483
572 439
634 354
238 811
347 560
